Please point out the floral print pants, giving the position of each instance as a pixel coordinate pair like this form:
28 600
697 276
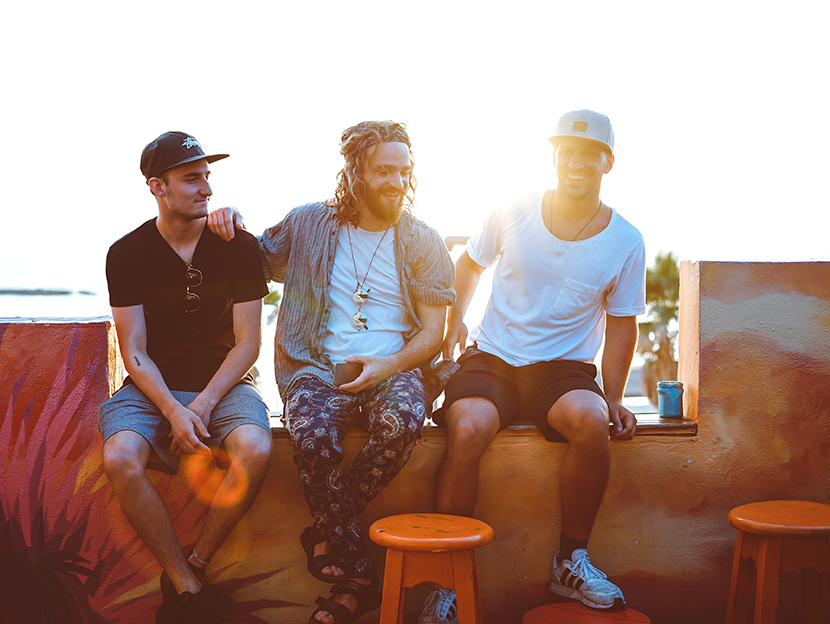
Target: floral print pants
318 417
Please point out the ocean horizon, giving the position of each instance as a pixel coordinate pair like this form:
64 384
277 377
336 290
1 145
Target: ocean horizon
73 303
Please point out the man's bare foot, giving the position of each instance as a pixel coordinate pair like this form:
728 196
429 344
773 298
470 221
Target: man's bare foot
322 563
324 548
347 600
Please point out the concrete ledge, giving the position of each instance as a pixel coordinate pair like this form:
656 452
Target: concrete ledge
647 425
755 365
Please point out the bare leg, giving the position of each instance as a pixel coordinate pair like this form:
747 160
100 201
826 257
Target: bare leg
472 423
581 416
125 459
249 449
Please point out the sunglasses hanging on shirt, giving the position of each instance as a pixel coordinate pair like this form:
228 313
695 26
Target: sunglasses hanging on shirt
193 278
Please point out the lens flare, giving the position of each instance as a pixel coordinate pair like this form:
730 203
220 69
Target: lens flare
216 479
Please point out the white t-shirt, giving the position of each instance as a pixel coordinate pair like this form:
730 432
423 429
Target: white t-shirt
385 309
550 296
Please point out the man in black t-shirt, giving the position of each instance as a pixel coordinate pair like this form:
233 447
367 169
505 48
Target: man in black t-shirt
187 309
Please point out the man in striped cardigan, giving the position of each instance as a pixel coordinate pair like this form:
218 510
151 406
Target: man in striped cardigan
366 288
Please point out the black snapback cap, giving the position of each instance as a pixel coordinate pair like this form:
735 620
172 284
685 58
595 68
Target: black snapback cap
172 149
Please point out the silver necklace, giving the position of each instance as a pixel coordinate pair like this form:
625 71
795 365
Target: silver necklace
361 294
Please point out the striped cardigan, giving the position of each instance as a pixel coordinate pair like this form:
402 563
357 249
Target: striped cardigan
299 252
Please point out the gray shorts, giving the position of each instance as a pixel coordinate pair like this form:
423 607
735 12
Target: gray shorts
130 410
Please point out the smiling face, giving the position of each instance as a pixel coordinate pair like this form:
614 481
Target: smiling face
580 164
386 173
184 190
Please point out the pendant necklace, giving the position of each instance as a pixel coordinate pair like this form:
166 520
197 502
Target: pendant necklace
550 212
589 220
361 295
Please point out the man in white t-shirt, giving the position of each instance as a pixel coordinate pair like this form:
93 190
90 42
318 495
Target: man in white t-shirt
568 270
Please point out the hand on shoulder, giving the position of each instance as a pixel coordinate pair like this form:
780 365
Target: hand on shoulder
224 221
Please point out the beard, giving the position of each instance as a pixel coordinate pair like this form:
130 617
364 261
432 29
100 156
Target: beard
381 208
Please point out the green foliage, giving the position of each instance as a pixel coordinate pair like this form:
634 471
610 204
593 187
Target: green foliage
272 299
662 302
658 333
663 288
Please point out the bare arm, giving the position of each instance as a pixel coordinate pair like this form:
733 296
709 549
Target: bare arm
186 427
420 350
620 342
224 221
247 330
467 274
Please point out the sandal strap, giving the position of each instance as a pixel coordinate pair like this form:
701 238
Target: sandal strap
340 613
348 586
321 561
328 604
309 538
358 590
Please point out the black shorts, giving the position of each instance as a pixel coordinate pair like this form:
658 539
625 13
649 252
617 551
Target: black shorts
521 394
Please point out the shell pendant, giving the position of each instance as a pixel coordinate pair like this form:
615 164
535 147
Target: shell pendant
359 321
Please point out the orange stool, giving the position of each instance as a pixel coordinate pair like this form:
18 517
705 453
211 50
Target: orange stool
431 548
780 537
578 613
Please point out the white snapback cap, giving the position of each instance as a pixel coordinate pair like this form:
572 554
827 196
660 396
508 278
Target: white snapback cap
585 124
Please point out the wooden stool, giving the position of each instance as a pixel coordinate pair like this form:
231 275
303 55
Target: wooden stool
578 613
779 536
431 548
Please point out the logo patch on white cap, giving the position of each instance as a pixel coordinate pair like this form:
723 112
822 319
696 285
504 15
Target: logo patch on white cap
585 124
190 142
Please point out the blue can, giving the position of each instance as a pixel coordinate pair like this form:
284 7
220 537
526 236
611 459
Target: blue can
670 399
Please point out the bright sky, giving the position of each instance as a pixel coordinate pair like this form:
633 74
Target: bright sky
719 108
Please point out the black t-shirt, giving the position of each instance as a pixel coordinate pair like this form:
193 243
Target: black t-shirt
188 348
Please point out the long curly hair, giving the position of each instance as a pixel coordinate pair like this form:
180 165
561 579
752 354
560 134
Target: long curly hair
353 145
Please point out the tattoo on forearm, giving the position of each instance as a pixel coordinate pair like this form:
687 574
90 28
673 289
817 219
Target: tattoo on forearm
135 357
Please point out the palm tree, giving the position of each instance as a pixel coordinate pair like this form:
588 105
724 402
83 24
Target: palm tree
658 332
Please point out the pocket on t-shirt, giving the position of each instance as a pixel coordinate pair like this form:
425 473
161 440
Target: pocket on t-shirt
573 299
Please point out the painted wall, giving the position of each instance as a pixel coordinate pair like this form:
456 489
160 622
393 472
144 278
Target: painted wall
755 361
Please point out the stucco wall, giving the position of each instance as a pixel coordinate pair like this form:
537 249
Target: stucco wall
755 360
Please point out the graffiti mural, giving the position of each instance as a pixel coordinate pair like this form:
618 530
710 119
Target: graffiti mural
67 554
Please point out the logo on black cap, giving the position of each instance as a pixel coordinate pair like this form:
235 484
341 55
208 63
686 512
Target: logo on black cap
172 149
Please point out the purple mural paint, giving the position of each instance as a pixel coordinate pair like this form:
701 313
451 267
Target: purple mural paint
670 399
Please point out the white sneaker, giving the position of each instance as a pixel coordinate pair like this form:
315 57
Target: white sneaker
577 578
439 607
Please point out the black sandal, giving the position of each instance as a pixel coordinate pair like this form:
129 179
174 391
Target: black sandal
309 539
367 596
